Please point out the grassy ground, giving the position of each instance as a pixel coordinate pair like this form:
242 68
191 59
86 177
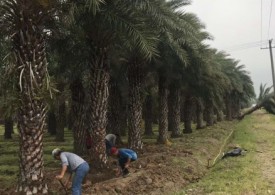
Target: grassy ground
9 155
245 174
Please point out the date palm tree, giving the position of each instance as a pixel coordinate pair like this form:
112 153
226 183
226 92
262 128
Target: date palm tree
118 98
265 99
205 83
163 110
175 59
199 112
150 105
24 23
7 111
70 64
103 23
174 101
240 90
162 16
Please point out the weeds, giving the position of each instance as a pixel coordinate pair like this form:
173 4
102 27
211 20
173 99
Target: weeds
237 175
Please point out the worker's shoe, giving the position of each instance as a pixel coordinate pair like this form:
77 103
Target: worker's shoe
125 172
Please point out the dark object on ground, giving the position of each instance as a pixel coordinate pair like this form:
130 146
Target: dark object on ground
63 186
235 152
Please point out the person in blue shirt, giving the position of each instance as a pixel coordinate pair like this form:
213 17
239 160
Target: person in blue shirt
125 157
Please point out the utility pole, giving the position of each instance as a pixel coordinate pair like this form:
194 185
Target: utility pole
272 64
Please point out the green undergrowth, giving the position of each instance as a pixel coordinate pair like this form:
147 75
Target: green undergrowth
234 175
202 147
9 165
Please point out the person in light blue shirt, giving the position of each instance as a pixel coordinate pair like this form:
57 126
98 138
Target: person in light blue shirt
73 163
125 157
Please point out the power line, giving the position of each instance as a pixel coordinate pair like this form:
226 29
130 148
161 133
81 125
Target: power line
261 21
246 45
244 48
270 17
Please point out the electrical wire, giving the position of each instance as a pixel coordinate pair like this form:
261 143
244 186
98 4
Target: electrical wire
246 46
261 21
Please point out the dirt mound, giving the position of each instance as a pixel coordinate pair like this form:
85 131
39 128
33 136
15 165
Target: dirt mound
153 173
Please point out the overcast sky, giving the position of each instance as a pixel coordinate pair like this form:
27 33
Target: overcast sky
236 24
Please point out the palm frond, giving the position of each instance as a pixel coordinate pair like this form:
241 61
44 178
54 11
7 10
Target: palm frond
175 4
94 5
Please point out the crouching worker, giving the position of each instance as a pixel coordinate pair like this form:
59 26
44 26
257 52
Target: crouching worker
72 163
125 157
110 141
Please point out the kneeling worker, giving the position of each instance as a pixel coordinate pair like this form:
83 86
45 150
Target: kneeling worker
75 164
125 157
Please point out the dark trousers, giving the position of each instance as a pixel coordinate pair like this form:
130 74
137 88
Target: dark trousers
109 145
122 162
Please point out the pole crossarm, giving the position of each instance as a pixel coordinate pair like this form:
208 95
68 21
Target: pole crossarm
267 47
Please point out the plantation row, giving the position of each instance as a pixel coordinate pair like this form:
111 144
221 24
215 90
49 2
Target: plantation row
101 66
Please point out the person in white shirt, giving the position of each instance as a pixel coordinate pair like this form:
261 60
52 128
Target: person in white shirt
110 141
73 163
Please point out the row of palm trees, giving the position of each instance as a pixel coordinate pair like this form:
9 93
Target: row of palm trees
109 60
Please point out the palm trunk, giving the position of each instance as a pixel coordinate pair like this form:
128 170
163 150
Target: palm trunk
61 118
199 113
61 115
228 104
236 109
114 110
182 108
187 115
163 110
51 122
148 115
219 114
98 103
209 113
135 76
170 110
123 120
251 110
69 119
174 111
29 48
2 121
78 117
8 128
